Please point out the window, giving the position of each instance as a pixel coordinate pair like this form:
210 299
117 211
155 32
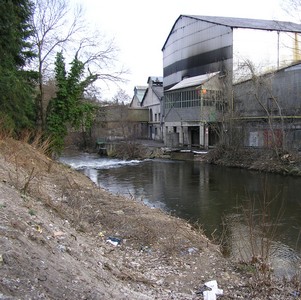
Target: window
192 98
182 99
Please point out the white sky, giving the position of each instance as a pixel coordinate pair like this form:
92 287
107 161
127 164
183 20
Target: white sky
140 27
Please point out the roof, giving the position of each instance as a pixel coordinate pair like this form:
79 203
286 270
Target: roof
140 87
155 79
193 81
158 90
155 83
251 23
269 25
139 92
156 86
293 67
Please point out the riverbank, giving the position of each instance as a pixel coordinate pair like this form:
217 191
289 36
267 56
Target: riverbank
264 160
62 237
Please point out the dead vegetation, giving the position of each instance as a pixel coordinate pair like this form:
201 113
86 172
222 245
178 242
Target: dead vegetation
128 150
54 227
54 230
265 160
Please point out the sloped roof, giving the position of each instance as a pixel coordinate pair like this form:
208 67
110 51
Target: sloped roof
158 90
192 81
252 23
140 92
156 86
269 25
293 67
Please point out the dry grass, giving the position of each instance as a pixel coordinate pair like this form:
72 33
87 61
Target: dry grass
71 197
252 232
74 197
128 150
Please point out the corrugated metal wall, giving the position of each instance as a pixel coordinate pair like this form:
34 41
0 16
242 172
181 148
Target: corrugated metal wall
195 47
271 103
280 89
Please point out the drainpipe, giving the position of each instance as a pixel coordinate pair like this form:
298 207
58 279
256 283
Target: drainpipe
278 49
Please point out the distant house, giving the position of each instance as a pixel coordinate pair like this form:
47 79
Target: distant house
152 100
199 45
139 92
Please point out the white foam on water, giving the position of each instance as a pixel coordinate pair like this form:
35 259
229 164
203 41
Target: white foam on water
88 161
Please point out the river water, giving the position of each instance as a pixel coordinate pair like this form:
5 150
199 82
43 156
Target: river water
238 208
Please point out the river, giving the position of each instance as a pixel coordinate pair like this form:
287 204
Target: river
239 209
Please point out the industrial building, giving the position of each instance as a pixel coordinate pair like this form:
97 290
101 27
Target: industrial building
204 57
267 109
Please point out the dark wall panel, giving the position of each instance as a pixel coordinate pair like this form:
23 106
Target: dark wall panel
196 47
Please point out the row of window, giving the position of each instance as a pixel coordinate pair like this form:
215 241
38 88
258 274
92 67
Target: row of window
194 98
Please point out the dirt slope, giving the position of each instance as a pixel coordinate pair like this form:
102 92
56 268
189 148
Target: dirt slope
54 226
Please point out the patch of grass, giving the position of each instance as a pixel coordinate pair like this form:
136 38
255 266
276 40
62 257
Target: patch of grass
252 233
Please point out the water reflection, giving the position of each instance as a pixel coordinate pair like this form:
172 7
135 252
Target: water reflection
248 244
210 195
206 194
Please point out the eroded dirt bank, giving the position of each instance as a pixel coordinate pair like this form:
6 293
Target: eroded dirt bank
54 227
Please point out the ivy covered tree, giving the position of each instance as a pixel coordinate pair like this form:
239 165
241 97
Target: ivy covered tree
61 24
69 109
16 82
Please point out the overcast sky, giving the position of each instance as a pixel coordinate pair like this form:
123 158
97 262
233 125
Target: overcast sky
140 27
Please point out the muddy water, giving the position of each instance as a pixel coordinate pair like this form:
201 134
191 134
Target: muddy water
250 213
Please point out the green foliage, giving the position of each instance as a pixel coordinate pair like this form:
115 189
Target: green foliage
15 50
58 107
68 109
16 84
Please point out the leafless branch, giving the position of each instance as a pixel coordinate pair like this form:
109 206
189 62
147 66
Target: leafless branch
55 28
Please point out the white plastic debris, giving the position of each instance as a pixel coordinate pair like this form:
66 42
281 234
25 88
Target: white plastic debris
192 250
211 295
114 241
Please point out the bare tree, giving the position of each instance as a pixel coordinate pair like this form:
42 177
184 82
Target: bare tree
52 29
292 8
99 56
121 97
261 91
55 28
